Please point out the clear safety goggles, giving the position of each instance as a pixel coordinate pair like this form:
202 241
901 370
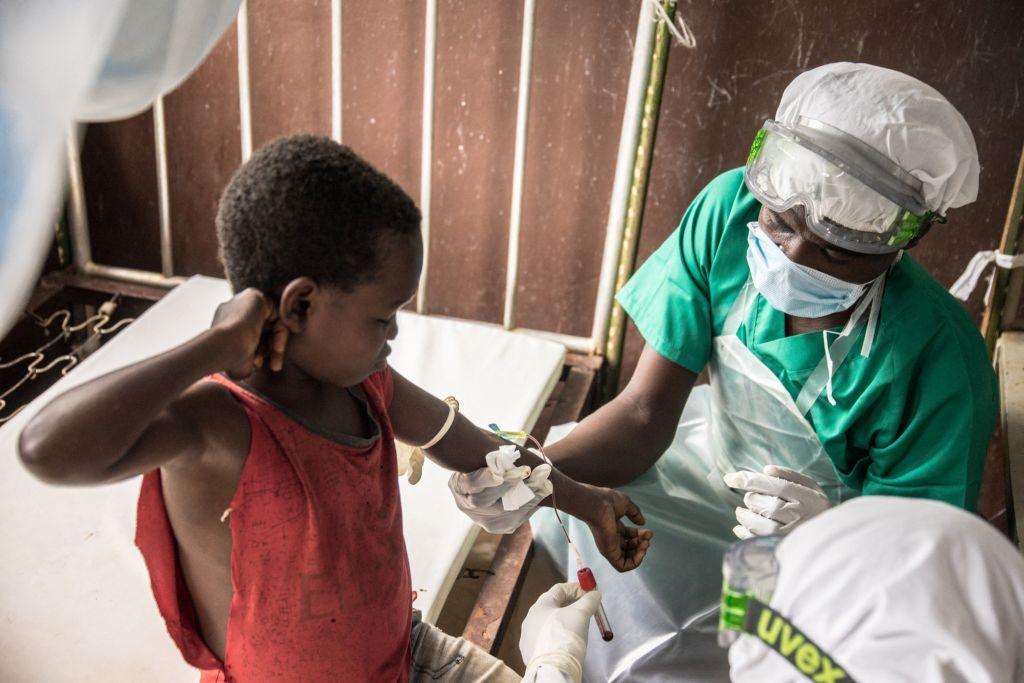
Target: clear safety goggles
749 573
853 196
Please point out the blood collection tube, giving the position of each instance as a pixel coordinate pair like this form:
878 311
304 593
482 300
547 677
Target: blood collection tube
589 583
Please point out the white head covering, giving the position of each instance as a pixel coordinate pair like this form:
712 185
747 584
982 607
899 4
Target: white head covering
897 589
906 120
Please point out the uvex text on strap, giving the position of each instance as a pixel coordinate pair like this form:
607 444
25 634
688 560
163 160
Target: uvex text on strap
777 632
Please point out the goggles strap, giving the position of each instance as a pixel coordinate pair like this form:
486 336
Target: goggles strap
779 633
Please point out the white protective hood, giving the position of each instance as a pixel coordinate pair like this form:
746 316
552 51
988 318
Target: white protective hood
907 120
898 589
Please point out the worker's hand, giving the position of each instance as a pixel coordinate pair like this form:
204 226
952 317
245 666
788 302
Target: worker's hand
776 501
603 509
252 333
478 494
554 632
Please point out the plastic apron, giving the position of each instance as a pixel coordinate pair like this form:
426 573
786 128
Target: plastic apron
665 614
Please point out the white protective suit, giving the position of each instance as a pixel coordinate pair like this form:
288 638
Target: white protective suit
897 589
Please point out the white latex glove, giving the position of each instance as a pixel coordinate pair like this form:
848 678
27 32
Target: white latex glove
479 493
554 632
776 501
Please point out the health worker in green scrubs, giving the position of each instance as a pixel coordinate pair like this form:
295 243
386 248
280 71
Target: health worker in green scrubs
838 366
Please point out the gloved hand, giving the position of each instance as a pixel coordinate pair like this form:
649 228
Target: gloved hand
554 632
776 501
478 493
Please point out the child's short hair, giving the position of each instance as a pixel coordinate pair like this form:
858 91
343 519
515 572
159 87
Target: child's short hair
308 206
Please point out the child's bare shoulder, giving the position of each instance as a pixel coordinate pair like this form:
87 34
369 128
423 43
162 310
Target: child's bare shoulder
211 410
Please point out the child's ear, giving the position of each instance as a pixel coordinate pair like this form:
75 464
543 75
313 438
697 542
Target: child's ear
295 303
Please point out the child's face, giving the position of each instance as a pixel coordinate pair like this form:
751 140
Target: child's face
345 335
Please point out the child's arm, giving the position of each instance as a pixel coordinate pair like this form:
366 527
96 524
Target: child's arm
138 418
416 416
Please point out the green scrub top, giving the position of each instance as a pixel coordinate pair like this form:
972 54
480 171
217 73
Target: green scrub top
912 419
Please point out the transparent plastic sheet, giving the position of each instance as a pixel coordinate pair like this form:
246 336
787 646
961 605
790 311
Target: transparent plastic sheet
67 60
666 611
775 435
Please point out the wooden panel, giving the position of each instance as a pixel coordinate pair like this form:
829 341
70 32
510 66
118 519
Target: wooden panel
382 86
289 68
203 150
581 68
717 96
119 176
475 118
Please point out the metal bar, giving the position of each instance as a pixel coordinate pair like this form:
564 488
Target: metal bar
163 198
519 163
637 196
572 343
80 244
628 138
426 149
336 70
141 277
244 99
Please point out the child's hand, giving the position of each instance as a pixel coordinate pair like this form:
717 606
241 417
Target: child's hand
252 332
603 509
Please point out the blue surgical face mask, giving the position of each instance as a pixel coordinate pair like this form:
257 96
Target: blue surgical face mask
792 288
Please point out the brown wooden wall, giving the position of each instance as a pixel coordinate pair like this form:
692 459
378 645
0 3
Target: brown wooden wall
716 97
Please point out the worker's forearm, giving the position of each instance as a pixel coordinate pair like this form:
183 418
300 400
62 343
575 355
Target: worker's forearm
613 446
90 427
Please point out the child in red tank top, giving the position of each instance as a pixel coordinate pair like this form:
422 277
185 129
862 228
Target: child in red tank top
269 516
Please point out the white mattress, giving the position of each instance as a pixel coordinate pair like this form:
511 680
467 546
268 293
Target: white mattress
75 602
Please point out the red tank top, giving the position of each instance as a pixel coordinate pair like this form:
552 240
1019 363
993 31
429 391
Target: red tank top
318 561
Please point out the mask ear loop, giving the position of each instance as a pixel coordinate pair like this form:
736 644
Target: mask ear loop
875 296
877 290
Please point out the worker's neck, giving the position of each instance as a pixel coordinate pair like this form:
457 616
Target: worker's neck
796 325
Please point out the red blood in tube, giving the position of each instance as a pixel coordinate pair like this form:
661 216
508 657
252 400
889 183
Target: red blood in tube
586 579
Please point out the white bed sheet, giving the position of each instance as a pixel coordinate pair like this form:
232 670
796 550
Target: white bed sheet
75 602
